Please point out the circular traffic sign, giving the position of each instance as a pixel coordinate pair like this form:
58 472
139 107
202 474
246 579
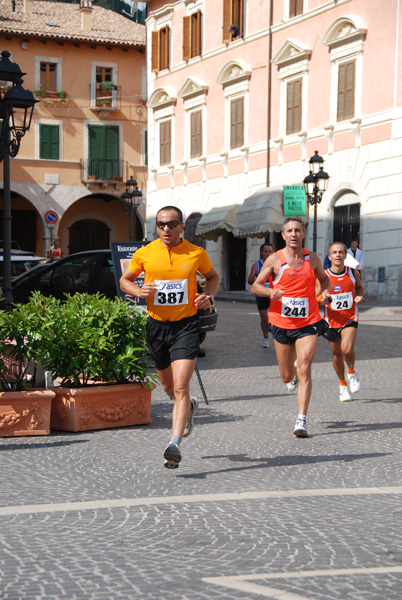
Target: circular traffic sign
51 217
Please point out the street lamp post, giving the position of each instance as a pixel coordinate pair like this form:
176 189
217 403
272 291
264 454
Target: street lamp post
16 109
132 199
315 185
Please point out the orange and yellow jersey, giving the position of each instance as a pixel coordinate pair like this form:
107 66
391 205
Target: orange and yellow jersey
298 306
175 274
343 308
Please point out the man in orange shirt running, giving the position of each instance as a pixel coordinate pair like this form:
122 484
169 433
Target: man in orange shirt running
170 264
294 316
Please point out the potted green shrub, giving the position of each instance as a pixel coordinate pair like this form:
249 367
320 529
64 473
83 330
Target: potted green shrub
97 351
24 409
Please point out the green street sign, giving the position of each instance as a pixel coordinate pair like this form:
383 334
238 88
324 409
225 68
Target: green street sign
294 200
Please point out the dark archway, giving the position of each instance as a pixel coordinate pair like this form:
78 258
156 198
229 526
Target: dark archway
189 230
347 219
88 234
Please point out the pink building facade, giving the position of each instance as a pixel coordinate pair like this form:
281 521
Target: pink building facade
241 96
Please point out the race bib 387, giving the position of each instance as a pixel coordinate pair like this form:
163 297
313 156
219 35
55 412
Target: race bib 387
171 292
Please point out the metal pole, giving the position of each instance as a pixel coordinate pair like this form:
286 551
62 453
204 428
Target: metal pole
7 294
131 221
315 220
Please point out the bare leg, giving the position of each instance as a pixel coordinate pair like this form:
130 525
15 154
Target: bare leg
337 359
285 353
176 381
348 338
305 350
264 322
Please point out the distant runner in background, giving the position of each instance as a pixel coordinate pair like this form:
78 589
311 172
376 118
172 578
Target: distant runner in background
343 317
262 302
55 251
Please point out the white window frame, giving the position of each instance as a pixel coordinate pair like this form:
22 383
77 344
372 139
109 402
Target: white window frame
235 92
160 116
344 54
49 59
106 65
286 13
37 138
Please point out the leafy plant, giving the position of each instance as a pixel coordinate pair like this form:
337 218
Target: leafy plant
108 86
39 93
24 335
62 95
85 340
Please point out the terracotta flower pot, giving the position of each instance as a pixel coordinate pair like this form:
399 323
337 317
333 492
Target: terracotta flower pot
100 407
25 413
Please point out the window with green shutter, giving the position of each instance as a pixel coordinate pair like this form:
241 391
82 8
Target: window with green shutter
103 145
49 141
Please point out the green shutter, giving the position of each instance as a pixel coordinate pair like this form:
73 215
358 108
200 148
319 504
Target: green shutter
103 151
49 142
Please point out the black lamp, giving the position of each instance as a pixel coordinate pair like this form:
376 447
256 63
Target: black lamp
315 185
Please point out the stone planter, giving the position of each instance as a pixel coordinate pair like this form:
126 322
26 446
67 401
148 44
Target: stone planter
100 407
25 413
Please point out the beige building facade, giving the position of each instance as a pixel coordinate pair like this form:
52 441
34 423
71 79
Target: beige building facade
241 93
86 66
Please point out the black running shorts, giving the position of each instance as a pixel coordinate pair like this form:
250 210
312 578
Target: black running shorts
289 336
263 302
173 340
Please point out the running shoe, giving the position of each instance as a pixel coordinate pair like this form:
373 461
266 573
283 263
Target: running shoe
292 385
354 383
300 428
265 343
172 456
344 395
190 424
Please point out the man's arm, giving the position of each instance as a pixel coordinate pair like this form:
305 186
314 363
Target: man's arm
358 288
128 286
322 278
267 270
211 288
253 274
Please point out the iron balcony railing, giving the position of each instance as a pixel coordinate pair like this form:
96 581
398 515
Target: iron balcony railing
105 96
101 169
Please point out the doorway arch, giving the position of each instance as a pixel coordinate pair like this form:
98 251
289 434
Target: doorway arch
88 234
346 225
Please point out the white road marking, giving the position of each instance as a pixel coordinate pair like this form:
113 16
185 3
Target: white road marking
197 498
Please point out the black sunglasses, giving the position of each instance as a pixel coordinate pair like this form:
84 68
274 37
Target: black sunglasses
170 224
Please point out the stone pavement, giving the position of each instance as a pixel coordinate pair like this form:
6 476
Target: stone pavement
252 512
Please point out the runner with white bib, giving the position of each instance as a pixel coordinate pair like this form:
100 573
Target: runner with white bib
343 317
295 319
170 264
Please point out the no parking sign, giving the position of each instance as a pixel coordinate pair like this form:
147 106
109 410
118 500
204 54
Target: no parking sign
51 218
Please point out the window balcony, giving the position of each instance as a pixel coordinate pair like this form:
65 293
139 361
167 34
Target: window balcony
105 96
102 170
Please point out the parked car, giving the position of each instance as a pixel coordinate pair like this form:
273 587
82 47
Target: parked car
90 272
20 263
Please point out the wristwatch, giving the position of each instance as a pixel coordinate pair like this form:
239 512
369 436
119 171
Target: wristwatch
210 298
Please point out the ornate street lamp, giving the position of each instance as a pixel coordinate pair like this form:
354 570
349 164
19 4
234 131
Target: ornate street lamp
315 185
132 199
16 109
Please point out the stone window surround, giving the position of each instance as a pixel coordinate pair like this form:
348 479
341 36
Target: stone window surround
49 59
37 137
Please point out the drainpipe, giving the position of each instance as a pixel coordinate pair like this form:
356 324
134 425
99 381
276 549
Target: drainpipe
269 90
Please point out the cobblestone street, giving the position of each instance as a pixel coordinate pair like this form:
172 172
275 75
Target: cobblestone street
252 512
